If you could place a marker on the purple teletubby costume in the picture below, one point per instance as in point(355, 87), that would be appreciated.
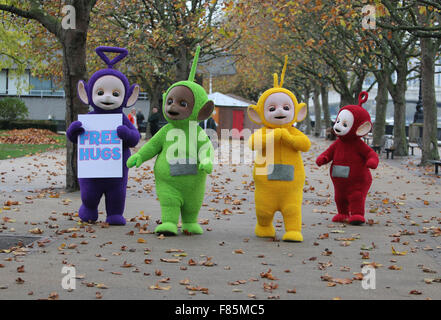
point(112, 93)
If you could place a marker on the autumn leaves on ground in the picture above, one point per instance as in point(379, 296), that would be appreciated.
point(401, 239)
point(17, 143)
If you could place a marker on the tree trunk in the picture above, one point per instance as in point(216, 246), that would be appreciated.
point(308, 116)
point(74, 69)
point(317, 111)
point(346, 99)
point(430, 143)
point(183, 65)
point(400, 141)
point(325, 105)
point(380, 110)
point(398, 93)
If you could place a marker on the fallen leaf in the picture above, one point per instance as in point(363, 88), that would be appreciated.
point(398, 253)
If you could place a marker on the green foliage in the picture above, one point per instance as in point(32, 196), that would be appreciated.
point(13, 109)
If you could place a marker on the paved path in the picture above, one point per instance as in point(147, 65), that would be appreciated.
point(227, 261)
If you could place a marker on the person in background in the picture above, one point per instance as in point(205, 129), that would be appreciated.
point(139, 118)
point(208, 124)
point(154, 121)
point(419, 115)
point(132, 117)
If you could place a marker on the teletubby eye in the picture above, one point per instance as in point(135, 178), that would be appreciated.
point(338, 120)
point(345, 125)
point(183, 103)
point(169, 101)
point(115, 93)
point(272, 108)
point(100, 92)
point(286, 107)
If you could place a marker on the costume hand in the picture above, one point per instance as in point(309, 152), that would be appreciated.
point(75, 129)
point(275, 134)
point(206, 167)
point(123, 132)
point(285, 134)
point(372, 163)
point(321, 160)
point(136, 159)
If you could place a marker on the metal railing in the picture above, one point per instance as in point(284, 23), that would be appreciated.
point(50, 93)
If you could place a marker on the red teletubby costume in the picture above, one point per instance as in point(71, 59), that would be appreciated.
point(351, 159)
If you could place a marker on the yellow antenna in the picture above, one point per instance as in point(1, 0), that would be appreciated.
point(276, 80)
point(282, 77)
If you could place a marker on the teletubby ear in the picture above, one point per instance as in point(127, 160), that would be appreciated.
point(82, 92)
point(302, 112)
point(254, 115)
point(206, 111)
point(364, 129)
point(134, 96)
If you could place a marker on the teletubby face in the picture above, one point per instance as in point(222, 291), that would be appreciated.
point(108, 93)
point(344, 123)
point(279, 109)
point(179, 103)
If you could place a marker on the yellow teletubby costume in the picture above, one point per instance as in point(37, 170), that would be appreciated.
point(279, 174)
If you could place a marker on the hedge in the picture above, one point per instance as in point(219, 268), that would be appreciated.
point(26, 124)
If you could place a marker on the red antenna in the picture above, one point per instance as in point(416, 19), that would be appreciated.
point(362, 98)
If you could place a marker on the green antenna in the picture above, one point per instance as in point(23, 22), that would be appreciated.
point(194, 65)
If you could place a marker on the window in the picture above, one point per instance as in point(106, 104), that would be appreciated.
point(3, 81)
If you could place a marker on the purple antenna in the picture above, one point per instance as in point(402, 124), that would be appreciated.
point(110, 63)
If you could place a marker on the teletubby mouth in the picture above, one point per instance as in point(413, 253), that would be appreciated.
point(173, 113)
point(107, 103)
point(280, 117)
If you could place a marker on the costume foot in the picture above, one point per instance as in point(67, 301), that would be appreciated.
point(356, 220)
point(167, 229)
point(87, 215)
point(340, 218)
point(193, 228)
point(116, 220)
point(293, 236)
point(265, 231)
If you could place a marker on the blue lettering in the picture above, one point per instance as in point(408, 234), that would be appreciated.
point(94, 156)
point(105, 137)
point(94, 138)
point(84, 154)
point(114, 139)
point(84, 137)
point(106, 154)
point(116, 153)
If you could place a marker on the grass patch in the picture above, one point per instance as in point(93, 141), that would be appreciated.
point(8, 151)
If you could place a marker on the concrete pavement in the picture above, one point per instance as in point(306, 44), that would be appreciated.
point(228, 261)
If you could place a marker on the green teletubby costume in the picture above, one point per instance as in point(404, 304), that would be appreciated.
point(185, 155)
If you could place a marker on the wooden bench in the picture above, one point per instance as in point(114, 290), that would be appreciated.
point(377, 149)
point(413, 146)
point(389, 151)
point(437, 163)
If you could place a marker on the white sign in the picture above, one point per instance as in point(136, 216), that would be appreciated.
point(100, 151)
